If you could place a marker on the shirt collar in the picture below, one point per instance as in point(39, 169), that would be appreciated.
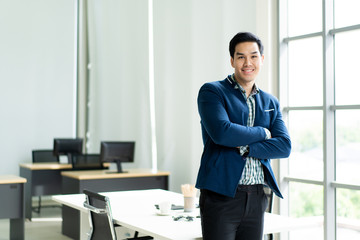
point(236, 85)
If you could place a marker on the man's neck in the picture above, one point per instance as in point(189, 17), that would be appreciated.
point(248, 87)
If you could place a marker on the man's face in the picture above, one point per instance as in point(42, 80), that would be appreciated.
point(247, 62)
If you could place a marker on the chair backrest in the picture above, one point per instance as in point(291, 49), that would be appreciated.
point(86, 162)
point(45, 155)
point(269, 195)
point(101, 221)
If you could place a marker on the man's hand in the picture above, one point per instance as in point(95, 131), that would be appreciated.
point(268, 133)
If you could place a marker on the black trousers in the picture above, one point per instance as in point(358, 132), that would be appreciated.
point(238, 218)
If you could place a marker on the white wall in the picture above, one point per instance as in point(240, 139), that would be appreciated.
point(36, 77)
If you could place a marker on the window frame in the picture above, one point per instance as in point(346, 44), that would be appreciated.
point(328, 107)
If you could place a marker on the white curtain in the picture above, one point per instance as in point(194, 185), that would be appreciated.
point(119, 100)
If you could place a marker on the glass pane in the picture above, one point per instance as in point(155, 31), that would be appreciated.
point(305, 72)
point(347, 78)
point(306, 200)
point(311, 233)
point(346, 12)
point(304, 19)
point(306, 128)
point(348, 146)
point(348, 214)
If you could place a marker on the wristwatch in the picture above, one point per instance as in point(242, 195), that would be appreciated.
point(246, 153)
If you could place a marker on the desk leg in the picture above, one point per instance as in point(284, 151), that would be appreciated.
point(26, 173)
point(84, 225)
point(17, 229)
point(71, 222)
point(75, 223)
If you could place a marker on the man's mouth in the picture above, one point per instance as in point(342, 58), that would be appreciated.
point(246, 71)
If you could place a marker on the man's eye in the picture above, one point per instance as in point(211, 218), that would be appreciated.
point(254, 56)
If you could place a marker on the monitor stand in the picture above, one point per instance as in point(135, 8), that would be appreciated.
point(118, 167)
point(64, 159)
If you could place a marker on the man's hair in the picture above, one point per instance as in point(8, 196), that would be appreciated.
point(244, 37)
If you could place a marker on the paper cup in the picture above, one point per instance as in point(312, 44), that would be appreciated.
point(165, 207)
point(189, 204)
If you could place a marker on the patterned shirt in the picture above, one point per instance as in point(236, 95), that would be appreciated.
point(253, 172)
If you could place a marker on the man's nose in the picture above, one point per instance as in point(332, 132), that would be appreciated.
point(247, 61)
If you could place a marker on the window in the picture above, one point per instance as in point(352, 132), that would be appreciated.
point(307, 144)
point(303, 76)
point(319, 92)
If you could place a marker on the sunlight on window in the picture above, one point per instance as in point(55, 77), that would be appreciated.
point(346, 12)
point(306, 200)
point(304, 16)
point(306, 72)
point(348, 146)
point(348, 214)
point(347, 77)
point(314, 233)
point(306, 129)
point(305, 89)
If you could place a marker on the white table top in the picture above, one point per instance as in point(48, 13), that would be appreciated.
point(135, 210)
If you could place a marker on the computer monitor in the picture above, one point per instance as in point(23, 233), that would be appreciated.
point(68, 147)
point(43, 155)
point(117, 152)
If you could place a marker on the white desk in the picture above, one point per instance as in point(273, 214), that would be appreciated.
point(74, 182)
point(135, 210)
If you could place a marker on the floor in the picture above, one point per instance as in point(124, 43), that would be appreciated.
point(45, 226)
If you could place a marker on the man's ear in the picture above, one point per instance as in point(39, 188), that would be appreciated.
point(232, 61)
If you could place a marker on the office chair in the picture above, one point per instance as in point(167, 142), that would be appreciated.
point(101, 222)
point(86, 162)
point(44, 155)
point(269, 195)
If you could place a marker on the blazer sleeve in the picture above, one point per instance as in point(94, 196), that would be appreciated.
point(279, 145)
point(215, 119)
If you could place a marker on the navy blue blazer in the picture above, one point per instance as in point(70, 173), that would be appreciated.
point(224, 113)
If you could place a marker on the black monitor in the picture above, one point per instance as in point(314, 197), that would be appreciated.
point(117, 152)
point(43, 155)
point(68, 147)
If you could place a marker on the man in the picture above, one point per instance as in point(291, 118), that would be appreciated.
point(242, 129)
